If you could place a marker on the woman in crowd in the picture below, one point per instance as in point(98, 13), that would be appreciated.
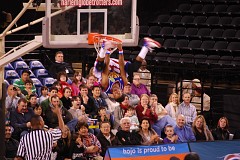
point(149, 136)
point(66, 100)
point(106, 137)
point(63, 144)
point(76, 82)
point(221, 132)
point(143, 109)
point(120, 112)
point(92, 147)
point(38, 110)
point(172, 106)
point(201, 130)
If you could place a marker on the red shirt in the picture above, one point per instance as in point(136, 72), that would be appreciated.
point(152, 117)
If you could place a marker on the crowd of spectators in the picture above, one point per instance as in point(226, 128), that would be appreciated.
point(93, 121)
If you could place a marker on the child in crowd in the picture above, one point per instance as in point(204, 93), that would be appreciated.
point(59, 87)
point(38, 110)
point(104, 116)
point(170, 136)
point(28, 88)
point(131, 113)
point(44, 94)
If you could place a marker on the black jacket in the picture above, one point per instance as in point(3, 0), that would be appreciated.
point(129, 138)
point(220, 134)
point(60, 67)
point(105, 143)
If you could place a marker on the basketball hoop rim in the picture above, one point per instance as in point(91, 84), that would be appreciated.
point(95, 37)
point(97, 40)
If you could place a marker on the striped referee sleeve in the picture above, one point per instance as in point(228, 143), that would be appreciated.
point(21, 150)
point(56, 134)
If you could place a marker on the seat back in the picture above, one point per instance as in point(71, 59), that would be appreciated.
point(41, 73)
point(36, 65)
point(48, 81)
point(20, 65)
point(11, 74)
point(36, 82)
point(8, 67)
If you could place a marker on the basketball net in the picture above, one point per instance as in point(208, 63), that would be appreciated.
point(97, 40)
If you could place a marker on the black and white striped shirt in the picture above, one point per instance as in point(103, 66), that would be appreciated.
point(37, 145)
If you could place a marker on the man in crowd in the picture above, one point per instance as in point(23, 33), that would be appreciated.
point(125, 136)
point(184, 132)
point(60, 66)
point(11, 144)
point(20, 119)
point(187, 109)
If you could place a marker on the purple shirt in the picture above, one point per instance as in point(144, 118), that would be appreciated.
point(141, 89)
point(166, 140)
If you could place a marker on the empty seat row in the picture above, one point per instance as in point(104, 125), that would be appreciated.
point(190, 20)
point(202, 33)
point(201, 45)
point(198, 59)
point(220, 9)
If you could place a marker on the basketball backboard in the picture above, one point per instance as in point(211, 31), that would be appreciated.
point(116, 18)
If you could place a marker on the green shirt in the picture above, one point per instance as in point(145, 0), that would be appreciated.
point(21, 85)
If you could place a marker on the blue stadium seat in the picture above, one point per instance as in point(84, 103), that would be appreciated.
point(48, 81)
point(20, 65)
point(8, 67)
point(19, 59)
point(38, 89)
point(36, 65)
point(11, 74)
point(69, 81)
point(11, 81)
point(41, 73)
point(36, 82)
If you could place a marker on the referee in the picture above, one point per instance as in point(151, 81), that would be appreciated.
point(37, 145)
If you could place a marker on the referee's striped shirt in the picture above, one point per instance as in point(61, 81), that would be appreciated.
point(37, 145)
